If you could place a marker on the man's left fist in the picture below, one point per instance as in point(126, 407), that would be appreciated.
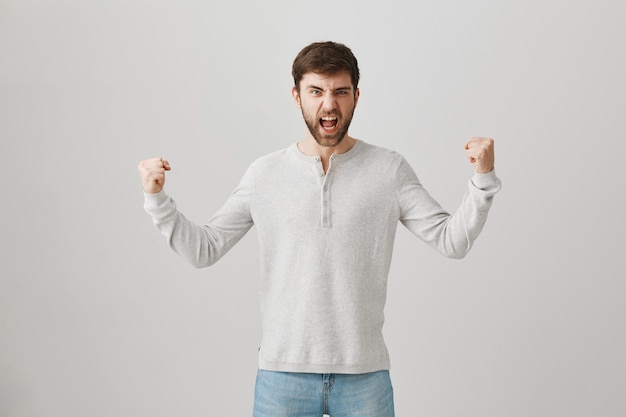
point(480, 153)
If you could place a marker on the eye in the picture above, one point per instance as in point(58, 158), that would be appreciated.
point(315, 92)
point(342, 92)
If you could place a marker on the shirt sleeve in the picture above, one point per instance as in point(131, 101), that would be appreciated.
point(203, 245)
point(451, 235)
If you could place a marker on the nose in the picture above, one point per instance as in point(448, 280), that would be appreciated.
point(329, 103)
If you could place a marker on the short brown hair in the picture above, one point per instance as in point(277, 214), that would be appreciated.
point(325, 58)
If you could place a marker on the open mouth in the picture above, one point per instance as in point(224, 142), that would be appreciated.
point(328, 122)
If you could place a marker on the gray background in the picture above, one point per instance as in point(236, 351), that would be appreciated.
point(99, 318)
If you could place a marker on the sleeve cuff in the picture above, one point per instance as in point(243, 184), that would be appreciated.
point(153, 201)
point(486, 181)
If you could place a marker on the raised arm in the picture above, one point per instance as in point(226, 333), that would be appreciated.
point(200, 245)
point(451, 235)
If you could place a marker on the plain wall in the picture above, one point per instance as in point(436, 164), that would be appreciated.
point(98, 317)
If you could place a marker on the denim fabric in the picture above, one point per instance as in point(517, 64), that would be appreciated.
point(290, 394)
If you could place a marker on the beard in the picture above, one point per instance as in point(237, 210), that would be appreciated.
point(328, 139)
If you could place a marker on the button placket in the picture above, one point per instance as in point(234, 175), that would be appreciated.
point(326, 204)
point(325, 179)
point(325, 197)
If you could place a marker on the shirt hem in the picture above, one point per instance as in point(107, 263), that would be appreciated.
point(324, 368)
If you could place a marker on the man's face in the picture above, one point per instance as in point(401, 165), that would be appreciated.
point(327, 103)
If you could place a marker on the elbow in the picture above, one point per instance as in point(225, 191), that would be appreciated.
point(202, 261)
point(456, 255)
point(197, 259)
point(455, 251)
point(198, 265)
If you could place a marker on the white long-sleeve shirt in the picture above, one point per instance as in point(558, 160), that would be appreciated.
point(326, 241)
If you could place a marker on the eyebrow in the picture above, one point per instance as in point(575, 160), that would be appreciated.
point(314, 87)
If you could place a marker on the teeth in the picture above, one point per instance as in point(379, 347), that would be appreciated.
point(328, 118)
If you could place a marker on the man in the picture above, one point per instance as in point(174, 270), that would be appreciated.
point(326, 211)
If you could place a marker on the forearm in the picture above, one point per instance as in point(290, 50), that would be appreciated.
point(465, 225)
point(199, 245)
point(451, 235)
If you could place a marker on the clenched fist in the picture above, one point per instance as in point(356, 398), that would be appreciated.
point(152, 172)
point(480, 153)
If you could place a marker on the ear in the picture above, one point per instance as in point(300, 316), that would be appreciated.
point(357, 93)
point(296, 96)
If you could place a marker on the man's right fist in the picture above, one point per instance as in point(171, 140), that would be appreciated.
point(152, 172)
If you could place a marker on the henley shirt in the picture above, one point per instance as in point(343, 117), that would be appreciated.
point(326, 242)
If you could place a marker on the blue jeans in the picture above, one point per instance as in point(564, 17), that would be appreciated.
point(289, 394)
